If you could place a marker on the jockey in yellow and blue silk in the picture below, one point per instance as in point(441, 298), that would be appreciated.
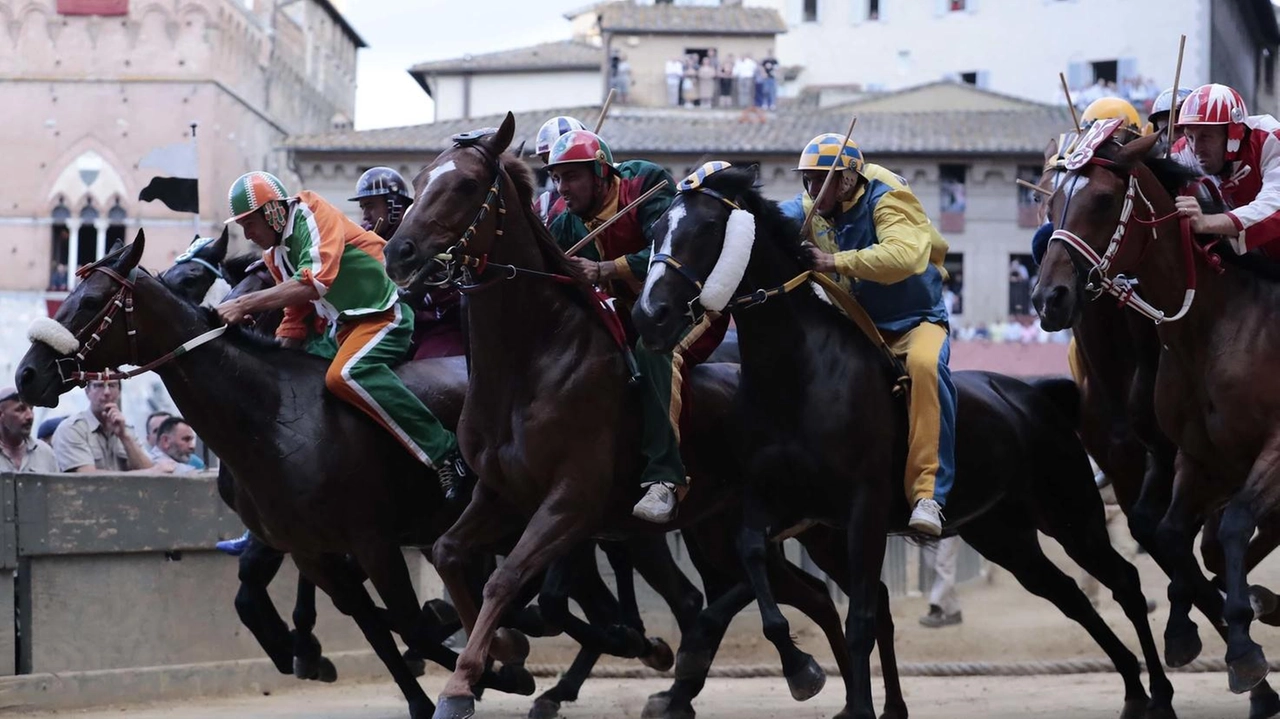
point(871, 233)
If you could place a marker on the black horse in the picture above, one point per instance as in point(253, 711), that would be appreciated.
point(825, 439)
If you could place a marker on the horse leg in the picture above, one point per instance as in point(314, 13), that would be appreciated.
point(332, 574)
point(552, 530)
point(895, 706)
point(1005, 538)
point(1087, 543)
point(1176, 537)
point(579, 569)
point(308, 660)
point(258, 566)
point(651, 557)
point(804, 677)
point(866, 536)
point(1266, 606)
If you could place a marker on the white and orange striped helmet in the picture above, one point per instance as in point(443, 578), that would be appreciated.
point(1215, 104)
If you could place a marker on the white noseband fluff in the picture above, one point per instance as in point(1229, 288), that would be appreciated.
point(217, 292)
point(53, 334)
point(739, 236)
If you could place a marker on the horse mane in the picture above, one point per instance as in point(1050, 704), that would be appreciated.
point(237, 268)
point(742, 185)
point(522, 177)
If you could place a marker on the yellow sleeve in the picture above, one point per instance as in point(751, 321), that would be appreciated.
point(904, 240)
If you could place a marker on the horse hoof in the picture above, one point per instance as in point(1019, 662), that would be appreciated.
point(317, 668)
point(1164, 712)
point(455, 708)
point(659, 656)
point(1263, 705)
point(656, 707)
point(544, 708)
point(1248, 671)
point(889, 713)
point(806, 683)
point(1134, 709)
point(447, 622)
point(1182, 649)
point(417, 667)
point(517, 679)
point(517, 646)
point(692, 665)
point(1264, 602)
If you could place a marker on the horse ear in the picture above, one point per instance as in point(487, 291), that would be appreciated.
point(115, 247)
point(1135, 150)
point(132, 254)
point(501, 140)
point(1051, 149)
point(215, 252)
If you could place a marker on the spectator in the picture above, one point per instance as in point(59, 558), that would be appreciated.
point(745, 72)
point(58, 277)
point(724, 77)
point(769, 83)
point(689, 85)
point(98, 440)
point(47, 428)
point(176, 441)
point(674, 73)
point(154, 420)
point(706, 83)
point(622, 79)
point(944, 603)
point(19, 451)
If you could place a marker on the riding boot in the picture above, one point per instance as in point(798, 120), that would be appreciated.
point(456, 478)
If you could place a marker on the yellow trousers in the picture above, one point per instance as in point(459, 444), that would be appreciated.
point(926, 351)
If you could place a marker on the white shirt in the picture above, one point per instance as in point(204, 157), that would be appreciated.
point(744, 68)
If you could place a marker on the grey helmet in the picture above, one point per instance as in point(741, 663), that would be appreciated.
point(1164, 103)
point(378, 181)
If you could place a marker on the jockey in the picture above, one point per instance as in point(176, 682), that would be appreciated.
point(593, 189)
point(551, 131)
point(872, 233)
point(384, 199)
point(1242, 154)
point(318, 256)
point(1158, 120)
point(1108, 108)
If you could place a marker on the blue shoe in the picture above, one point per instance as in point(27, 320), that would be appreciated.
point(235, 547)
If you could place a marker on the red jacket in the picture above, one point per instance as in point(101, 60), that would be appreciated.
point(1252, 191)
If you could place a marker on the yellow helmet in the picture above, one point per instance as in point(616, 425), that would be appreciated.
point(824, 150)
point(1107, 108)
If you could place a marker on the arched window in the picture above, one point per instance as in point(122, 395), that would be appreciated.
point(60, 246)
point(116, 218)
point(87, 250)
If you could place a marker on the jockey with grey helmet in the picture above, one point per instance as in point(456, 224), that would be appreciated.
point(551, 131)
point(384, 196)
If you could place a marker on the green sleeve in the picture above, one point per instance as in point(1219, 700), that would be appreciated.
point(649, 213)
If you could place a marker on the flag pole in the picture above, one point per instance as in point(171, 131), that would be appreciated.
point(195, 220)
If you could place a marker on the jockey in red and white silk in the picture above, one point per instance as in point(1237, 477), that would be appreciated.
point(1242, 154)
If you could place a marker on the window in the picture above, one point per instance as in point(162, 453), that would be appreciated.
point(953, 288)
point(969, 78)
point(951, 185)
point(873, 10)
point(1269, 70)
point(1030, 209)
point(1106, 70)
point(956, 5)
point(810, 10)
point(1022, 276)
point(116, 217)
point(87, 238)
point(61, 247)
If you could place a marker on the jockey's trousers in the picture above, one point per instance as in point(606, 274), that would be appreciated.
point(361, 375)
point(664, 390)
point(931, 432)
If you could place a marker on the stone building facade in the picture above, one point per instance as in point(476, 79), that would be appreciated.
point(85, 97)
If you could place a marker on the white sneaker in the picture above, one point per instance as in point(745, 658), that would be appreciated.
point(927, 518)
point(658, 504)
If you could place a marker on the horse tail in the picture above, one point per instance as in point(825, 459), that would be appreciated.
point(1064, 393)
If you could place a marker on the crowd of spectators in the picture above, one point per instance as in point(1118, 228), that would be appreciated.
point(1139, 91)
point(708, 80)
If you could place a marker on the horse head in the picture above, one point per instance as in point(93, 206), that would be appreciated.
point(708, 232)
point(197, 274)
point(1093, 201)
point(456, 211)
point(88, 331)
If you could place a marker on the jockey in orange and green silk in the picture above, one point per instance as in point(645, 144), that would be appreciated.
point(325, 264)
point(592, 190)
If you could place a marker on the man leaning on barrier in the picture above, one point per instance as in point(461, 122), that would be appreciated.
point(19, 451)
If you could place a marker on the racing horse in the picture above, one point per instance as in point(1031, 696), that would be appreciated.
point(552, 429)
point(1212, 316)
point(824, 436)
point(292, 488)
point(1118, 355)
point(195, 277)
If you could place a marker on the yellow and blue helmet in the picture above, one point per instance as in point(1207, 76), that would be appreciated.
point(827, 149)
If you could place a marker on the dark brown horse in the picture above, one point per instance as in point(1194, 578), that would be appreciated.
point(1119, 353)
point(1114, 211)
point(552, 428)
point(824, 439)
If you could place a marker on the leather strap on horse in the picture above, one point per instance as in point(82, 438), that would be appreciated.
point(855, 312)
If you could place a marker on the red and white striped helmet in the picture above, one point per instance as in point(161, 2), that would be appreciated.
point(1216, 104)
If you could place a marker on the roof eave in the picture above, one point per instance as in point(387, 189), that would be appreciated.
point(443, 71)
point(342, 22)
point(689, 31)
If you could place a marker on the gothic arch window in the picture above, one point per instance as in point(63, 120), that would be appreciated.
point(60, 246)
point(116, 218)
point(87, 238)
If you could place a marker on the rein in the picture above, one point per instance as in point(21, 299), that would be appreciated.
point(1123, 288)
point(123, 299)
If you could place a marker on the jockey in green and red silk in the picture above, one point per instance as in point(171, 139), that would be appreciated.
point(870, 232)
point(324, 263)
point(592, 190)
point(1242, 153)
point(384, 198)
point(551, 131)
